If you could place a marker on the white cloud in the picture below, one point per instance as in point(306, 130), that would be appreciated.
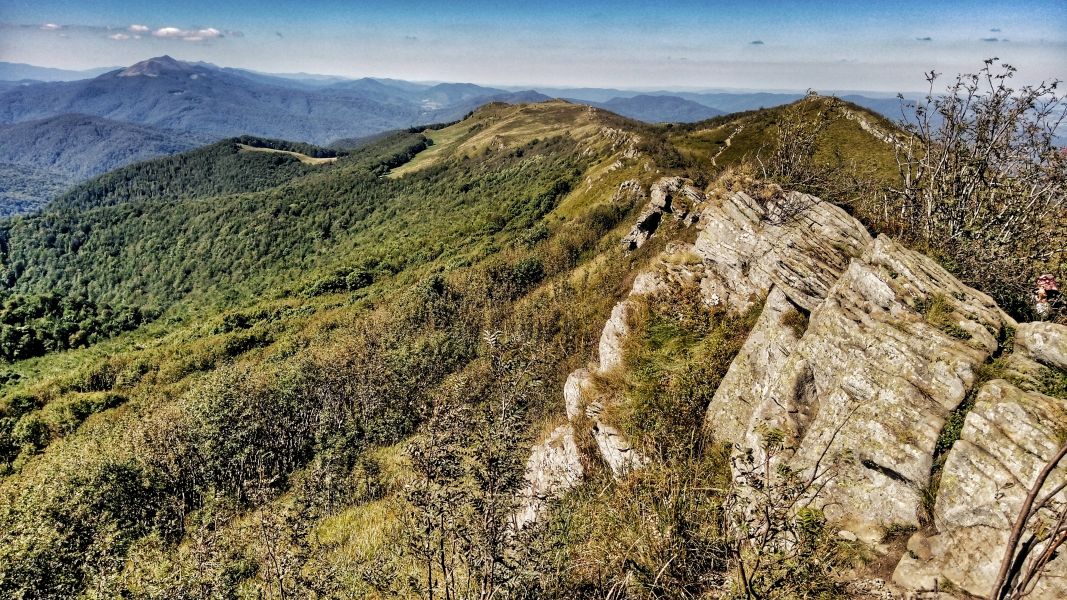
point(51, 27)
point(188, 35)
point(138, 28)
point(164, 32)
point(119, 36)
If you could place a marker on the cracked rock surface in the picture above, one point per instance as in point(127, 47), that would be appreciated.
point(862, 351)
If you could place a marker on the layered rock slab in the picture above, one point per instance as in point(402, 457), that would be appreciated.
point(869, 382)
point(797, 243)
point(758, 365)
point(1007, 438)
point(880, 380)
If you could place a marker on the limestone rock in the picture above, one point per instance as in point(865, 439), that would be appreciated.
point(612, 337)
point(755, 369)
point(1024, 371)
point(872, 381)
point(616, 450)
point(554, 467)
point(677, 196)
point(1044, 342)
point(1007, 438)
point(577, 392)
point(629, 192)
point(670, 195)
point(799, 243)
point(919, 546)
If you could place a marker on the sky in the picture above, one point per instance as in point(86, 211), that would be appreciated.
point(751, 44)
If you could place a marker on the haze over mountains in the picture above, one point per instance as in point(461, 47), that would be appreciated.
point(53, 130)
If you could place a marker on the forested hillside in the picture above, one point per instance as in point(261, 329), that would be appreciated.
point(25, 189)
point(63, 132)
point(80, 146)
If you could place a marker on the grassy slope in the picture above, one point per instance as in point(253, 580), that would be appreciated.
point(406, 233)
point(751, 134)
point(165, 359)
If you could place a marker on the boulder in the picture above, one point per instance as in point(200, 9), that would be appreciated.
point(1043, 342)
point(554, 467)
point(1007, 438)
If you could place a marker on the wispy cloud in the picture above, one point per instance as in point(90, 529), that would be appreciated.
point(138, 28)
point(756, 43)
point(119, 37)
point(995, 30)
point(51, 27)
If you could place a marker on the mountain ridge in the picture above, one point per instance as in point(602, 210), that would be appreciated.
point(138, 106)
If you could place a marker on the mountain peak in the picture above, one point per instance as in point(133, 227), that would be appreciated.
point(154, 67)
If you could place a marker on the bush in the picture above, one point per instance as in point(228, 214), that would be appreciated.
point(982, 184)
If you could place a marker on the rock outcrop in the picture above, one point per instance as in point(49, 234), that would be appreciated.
point(670, 195)
point(1007, 438)
point(798, 243)
point(555, 465)
point(884, 379)
point(862, 351)
point(866, 374)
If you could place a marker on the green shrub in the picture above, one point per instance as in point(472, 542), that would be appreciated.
point(31, 432)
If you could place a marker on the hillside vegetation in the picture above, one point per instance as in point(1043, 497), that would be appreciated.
point(246, 374)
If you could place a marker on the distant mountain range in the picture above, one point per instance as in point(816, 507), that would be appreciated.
point(659, 109)
point(60, 127)
point(204, 99)
point(41, 158)
point(21, 71)
point(67, 131)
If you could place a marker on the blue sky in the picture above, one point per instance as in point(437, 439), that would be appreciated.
point(755, 44)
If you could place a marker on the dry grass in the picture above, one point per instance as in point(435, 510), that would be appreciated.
point(304, 158)
point(500, 126)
